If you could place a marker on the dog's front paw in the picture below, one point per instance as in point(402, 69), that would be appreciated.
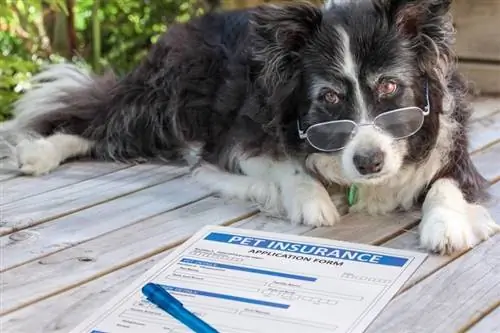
point(444, 230)
point(309, 203)
point(37, 157)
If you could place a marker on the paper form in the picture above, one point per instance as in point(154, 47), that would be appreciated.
point(246, 281)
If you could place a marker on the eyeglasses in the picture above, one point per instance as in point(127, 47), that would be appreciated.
point(334, 135)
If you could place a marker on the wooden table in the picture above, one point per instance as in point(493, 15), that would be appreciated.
point(72, 239)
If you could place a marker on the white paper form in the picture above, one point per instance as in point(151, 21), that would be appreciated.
point(246, 281)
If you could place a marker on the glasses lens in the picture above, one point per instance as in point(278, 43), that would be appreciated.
point(401, 123)
point(330, 136)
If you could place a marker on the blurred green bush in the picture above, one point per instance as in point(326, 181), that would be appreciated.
point(98, 33)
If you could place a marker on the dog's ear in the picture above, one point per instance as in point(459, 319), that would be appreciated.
point(279, 33)
point(413, 17)
point(429, 27)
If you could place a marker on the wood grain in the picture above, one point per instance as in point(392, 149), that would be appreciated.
point(32, 210)
point(484, 77)
point(70, 230)
point(484, 107)
point(489, 324)
point(448, 299)
point(477, 28)
point(488, 161)
point(437, 278)
point(26, 186)
point(84, 262)
point(61, 313)
point(484, 131)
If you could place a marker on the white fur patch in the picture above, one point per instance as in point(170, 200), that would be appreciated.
point(265, 194)
point(330, 3)
point(304, 199)
point(37, 157)
point(39, 99)
point(281, 188)
point(40, 156)
point(350, 69)
point(192, 153)
point(365, 140)
point(449, 223)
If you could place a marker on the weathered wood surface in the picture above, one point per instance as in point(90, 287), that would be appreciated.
point(489, 324)
point(484, 77)
point(38, 208)
point(69, 259)
point(477, 29)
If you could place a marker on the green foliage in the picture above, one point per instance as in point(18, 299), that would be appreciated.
point(36, 32)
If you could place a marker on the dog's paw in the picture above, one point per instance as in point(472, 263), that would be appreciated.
point(309, 203)
point(37, 157)
point(444, 230)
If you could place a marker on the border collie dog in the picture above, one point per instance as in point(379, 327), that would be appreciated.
point(273, 103)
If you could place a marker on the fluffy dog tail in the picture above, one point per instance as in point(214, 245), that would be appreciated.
point(58, 94)
point(63, 98)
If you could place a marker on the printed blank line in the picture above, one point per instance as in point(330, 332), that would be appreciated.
point(156, 318)
point(301, 322)
point(211, 275)
point(193, 306)
point(223, 284)
point(316, 292)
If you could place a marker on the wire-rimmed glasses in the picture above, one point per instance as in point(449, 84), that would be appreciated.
point(334, 135)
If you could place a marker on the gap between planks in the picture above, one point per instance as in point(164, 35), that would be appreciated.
point(68, 174)
point(35, 210)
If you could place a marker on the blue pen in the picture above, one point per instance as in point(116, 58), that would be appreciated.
point(161, 298)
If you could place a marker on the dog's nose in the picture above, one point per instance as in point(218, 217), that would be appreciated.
point(369, 162)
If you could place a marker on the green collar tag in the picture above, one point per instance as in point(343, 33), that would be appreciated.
point(352, 195)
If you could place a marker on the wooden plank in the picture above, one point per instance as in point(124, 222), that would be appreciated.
point(433, 285)
point(67, 231)
point(484, 131)
point(62, 270)
point(63, 312)
point(30, 211)
point(410, 240)
point(375, 229)
point(489, 324)
point(477, 28)
point(485, 77)
point(484, 107)
point(448, 299)
point(487, 161)
point(67, 174)
point(263, 222)
point(6, 174)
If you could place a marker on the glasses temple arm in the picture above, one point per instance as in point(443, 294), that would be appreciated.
point(427, 107)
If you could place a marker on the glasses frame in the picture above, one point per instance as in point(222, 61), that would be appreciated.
point(303, 134)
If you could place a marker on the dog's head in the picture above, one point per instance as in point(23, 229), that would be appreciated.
point(356, 60)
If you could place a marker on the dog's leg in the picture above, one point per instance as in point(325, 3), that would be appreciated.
point(260, 192)
point(303, 198)
point(42, 155)
point(450, 223)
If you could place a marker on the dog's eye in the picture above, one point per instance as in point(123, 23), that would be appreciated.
point(387, 88)
point(331, 97)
